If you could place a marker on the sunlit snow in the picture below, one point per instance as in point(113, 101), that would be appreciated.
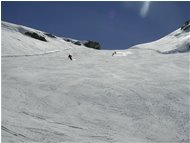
point(138, 95)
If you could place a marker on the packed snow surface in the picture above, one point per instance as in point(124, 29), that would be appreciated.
point(138, 95)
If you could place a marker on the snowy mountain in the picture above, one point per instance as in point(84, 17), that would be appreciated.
point(138, 95)
point(19, 40)
point(176, 42)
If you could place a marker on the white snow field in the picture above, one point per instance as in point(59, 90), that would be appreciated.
point(140, 95)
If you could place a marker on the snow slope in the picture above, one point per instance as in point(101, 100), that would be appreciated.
point(138, 95)
point(176, 42)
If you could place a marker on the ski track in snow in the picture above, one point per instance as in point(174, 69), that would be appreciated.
point(39, 54)
point(122, 54)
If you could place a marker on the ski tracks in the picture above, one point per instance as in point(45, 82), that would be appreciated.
point(38, 54)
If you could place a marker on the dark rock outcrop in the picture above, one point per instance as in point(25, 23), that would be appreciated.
point(89, 43)
point(77, 43)
point(35, 36)
point(67, 40)
point(92, 44)
point(186, 26)
point(50, 35)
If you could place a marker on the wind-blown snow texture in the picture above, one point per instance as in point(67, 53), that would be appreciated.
point(138, 95)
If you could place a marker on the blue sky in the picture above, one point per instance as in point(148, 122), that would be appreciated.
point(116, 25)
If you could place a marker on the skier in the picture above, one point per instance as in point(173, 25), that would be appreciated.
point(70, 57)
point(113, 53)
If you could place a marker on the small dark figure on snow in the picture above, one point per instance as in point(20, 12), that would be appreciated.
point(113, 53)
point(70, 57)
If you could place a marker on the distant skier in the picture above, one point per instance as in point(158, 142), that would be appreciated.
point(70, 57)
point(113, 53)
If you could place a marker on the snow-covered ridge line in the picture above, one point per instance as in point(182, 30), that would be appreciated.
point(175, 42)
point(47, 37)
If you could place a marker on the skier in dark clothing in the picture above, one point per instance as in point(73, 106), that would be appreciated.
point(113, 53)
point(70, 57)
